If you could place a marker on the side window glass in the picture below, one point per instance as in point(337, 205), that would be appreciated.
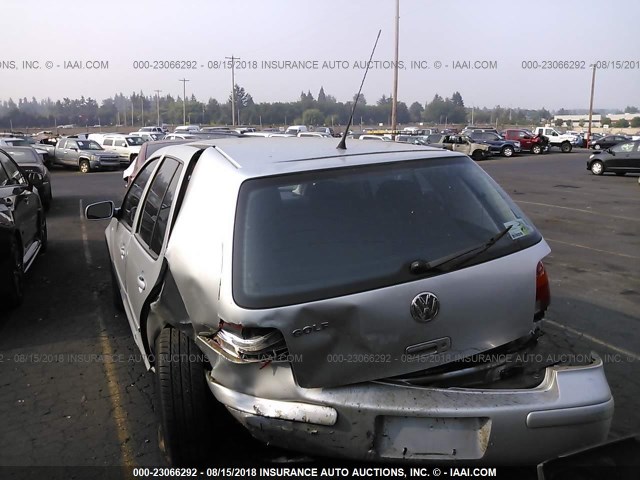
point(11, 169)
point(62, 144)
point(132, 198)
point(108, 143)
point(4, 178)
point(160, 229)
point(154, 202)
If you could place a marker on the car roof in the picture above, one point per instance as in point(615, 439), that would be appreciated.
point(259, 156)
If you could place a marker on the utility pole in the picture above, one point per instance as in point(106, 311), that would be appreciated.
point(132, 113)
point(394, 103)
point(233, 88)
point(142, 103)
point(184, 100)
point(158, 105)
point(593, 85)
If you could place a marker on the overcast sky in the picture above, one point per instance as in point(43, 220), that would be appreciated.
point(507, 33)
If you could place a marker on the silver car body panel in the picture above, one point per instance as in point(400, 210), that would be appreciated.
point(326, 399)
point(376, 322)
point(388, 422)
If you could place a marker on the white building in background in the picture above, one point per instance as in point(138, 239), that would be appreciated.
point(575, 120)
point(622, 116)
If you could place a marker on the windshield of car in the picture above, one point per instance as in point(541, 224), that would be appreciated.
point(135, 140)
point(24, 156)
point(17, 142)
point(88, 145)
point(316, 235)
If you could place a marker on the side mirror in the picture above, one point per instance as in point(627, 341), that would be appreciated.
point(99, 211)
point(35, 179)
point(611, 152)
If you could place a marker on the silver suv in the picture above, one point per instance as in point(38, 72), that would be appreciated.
point(378, 303)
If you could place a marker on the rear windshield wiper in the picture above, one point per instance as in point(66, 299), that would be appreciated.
point(421, 266)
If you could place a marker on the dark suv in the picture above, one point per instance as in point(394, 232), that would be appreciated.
point(497, 144)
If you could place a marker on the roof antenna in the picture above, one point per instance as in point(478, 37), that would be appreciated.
point(343, 141)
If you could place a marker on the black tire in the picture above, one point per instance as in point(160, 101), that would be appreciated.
point(597, 167)
point(477, 155)
point(186, 406)
point(566, 147)
point(84, 166)
point(115, 292)
point(507, 151)
point(536, 149)
point(12, 278)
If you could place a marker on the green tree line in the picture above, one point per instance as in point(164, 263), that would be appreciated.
point(321, 109)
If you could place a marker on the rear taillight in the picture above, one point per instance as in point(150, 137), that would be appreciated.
point(543, 294)
point(247, 345)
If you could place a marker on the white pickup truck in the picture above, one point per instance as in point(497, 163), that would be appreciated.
point(563, 141)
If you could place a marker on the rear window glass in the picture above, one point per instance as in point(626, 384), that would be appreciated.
point(306, 237)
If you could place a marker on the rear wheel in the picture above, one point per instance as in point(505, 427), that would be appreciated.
point(187, 408)
point(12, 284)
point(597, 168)
point(597, 146)
point(536, 149)
point(84, 166)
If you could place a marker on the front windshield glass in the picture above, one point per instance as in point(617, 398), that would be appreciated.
point(135, 140)
point(88, 145)
point(18, 142)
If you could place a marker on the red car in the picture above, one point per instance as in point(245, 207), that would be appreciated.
point(529, 141)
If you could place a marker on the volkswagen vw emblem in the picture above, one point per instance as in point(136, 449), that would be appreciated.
point(425, 307)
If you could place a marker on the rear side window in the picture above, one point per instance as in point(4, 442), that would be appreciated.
point(306, 237)
point(15, 177)
point(4, 178)
point(157, 205)
point(132, 198)
point(108, 143)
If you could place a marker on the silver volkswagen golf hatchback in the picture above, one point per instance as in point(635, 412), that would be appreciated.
point(380, 303)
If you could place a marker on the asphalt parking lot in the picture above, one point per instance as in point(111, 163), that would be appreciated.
point(74, 391)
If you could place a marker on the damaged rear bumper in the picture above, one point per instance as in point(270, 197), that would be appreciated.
point(570, 409)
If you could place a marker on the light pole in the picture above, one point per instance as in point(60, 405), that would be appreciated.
point(593, 85)
point(394, 102)
point(184, 100)
point(233, 88)
point(158, 105)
